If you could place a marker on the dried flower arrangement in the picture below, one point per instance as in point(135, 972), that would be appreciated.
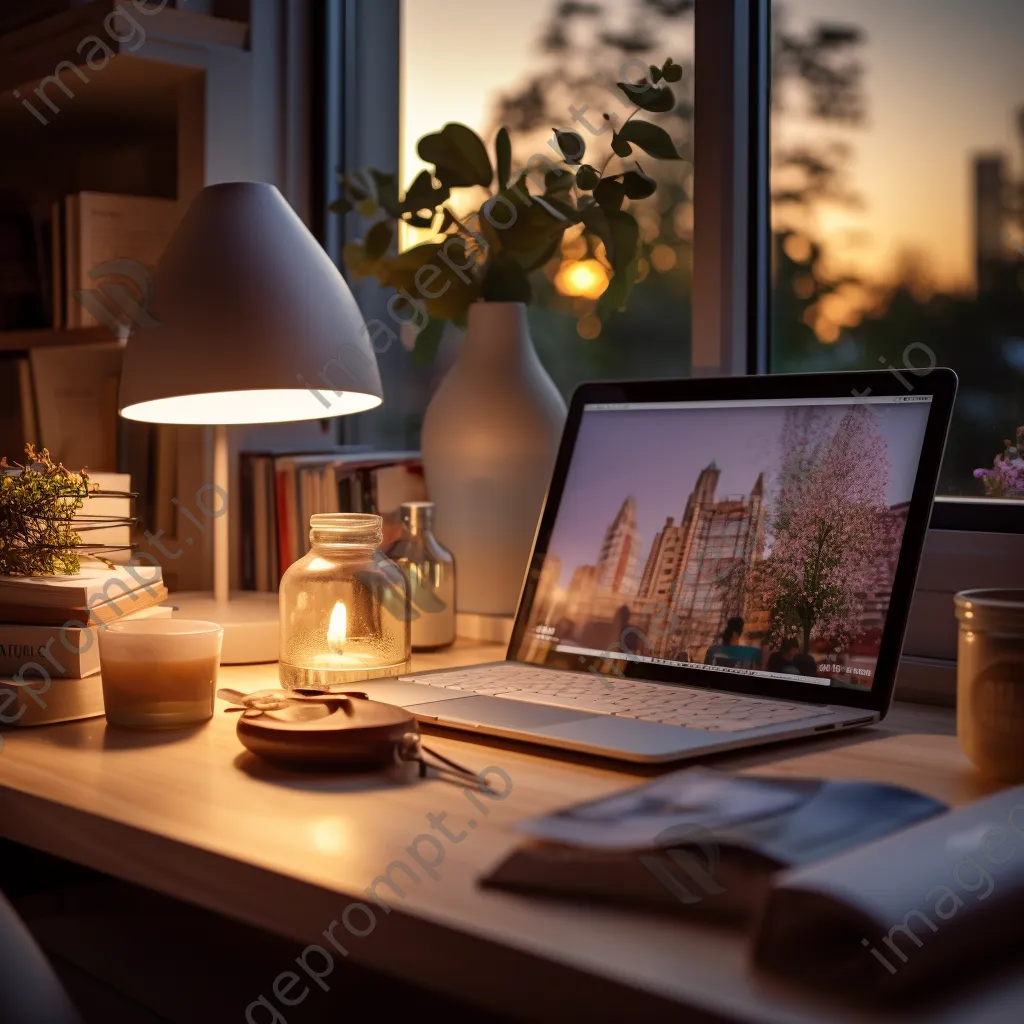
point(38, 504)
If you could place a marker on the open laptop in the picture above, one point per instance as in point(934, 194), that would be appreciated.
point(719, 564)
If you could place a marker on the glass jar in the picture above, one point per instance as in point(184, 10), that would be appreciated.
point(430, 570)
point(990, 680)
point(344, 608)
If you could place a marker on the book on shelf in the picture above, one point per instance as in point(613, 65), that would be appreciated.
point(66, 653)
point(18, 419)
point(21, 298)
point(76, 390)
point(280, 491)
point(701, 842)
point(105, 249)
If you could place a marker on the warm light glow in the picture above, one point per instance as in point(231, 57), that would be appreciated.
point(329, 835)
point(663, 258)
point(827, 331)
point(588, 326)
point(574, 245)
point(266, 405)
point(803, 286)
point(650, 225)
point(797, 248)
point(337, 628)
point(584, 278)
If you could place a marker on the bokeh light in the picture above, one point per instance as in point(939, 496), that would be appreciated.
point(584, 278)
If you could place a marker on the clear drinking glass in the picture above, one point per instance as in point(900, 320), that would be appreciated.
point(159, 673)
point(430, 570)
point(990, 680)
point(344, 607)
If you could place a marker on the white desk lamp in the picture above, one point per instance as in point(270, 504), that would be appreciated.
point(249, 310)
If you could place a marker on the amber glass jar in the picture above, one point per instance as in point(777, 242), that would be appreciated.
point(990, 681)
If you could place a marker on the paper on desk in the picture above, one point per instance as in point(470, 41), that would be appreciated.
point(653, 814)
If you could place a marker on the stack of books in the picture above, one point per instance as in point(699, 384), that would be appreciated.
point(279, 492)
point(49, 648)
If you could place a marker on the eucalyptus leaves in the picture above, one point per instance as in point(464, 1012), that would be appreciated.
point(489, 254)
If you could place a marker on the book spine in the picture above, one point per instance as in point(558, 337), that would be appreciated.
point(269, 537)
point(283, 521)
point(247, 517)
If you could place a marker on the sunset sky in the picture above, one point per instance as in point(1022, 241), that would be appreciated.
point(943, 78)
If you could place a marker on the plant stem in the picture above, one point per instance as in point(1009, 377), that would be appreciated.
point(608, 158)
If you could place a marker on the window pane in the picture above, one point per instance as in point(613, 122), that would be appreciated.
point(897, 196)
point(544, 64)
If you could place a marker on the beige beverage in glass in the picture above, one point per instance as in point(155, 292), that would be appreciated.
point(159, 673)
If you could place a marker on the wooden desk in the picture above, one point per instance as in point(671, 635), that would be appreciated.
point(192, 815)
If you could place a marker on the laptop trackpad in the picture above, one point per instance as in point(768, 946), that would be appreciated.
point(507, 714)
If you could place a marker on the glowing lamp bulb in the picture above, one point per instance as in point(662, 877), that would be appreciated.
point(337, 628)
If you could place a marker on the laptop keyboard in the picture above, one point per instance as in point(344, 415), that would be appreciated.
point(626, 698)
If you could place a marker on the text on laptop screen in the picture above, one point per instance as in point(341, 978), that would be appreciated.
point(753, 537)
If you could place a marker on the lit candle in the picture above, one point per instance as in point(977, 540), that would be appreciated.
point(337, 628)
point(354, 656)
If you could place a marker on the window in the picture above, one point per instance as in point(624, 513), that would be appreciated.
point(898, 205)
point(895, 167)
point(531, 71)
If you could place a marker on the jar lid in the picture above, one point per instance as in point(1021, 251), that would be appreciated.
point(991, 609)
point(348, 527)
point(418, 515)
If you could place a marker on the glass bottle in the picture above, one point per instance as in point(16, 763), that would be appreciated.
point(344, 607)
point(430, 570)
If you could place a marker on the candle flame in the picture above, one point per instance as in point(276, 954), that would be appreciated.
point(337, 629)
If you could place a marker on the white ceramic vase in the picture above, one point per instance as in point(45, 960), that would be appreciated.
point(489, 441)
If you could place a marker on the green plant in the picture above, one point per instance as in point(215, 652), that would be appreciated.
point(38, 504)
point(490, 253)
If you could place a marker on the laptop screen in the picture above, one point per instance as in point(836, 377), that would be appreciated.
point(757, 537)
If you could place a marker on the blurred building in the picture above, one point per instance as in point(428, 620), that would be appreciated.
point(990, 221)
point(693, 580)
point(695, 576)
point(616, 565)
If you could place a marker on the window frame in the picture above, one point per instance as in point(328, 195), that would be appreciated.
point(971, 543)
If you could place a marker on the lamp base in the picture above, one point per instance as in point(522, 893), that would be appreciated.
point(250, 621)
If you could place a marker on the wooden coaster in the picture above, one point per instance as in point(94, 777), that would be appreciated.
point(331, 732)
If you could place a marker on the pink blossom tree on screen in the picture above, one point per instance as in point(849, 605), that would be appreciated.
point(831, 539)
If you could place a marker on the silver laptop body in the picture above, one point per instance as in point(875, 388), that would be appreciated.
point(672, 607)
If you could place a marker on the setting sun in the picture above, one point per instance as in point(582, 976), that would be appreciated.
point(585, 279)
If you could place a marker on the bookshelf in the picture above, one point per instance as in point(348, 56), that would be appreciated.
point(23, 341)
point(174, 39)
point(201, 98)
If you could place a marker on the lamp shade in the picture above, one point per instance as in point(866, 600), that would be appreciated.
point(254, 322)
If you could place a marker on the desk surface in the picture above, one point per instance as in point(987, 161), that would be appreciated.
point(193, 815)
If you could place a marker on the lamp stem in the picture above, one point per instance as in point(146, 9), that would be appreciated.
point(221, 541)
